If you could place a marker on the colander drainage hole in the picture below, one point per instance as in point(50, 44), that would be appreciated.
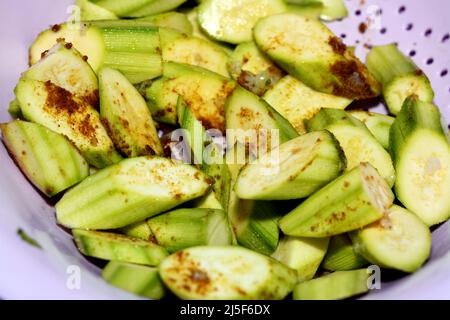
point(430, 61)
point(409, 26)
point(412, 53)
point(444, 72)
point(446, 37)
point(428, 32)
point(401, 9)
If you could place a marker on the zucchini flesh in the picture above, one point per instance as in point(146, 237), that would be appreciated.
point(232, 21)
point(226, 273)
point(354, 200)
point(399, 76)
point(126, 116)
point(185, 228)
point(14, 109)
point(140, 280)
point(399, 241)
point(112, 246)
point(311, 9)
point(297, 102)
point(60, 111)
point(314, 55)
point(48, 159)
point(91, 11)
point(129, 192)
point(174, 20)
point(303, 166)
point(378, 124)
point(327, 10)
point(333, 10)
point(140, 230)
point(209, 201)
point(335, 286)
point(421, 154)
point(341, 255)
point(139, 8)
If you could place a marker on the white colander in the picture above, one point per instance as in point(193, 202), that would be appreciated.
point(420, 28)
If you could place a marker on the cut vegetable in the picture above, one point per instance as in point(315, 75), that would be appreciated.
point(399, 76)
point(140, 280)
point(336, 286)
point(185, 228)
point(354, 200)
point(327, 10)
point(313, 54)
point(90, 11)
point(126, 116)
point(48, 159)
point(129, 192)
point(174, 20)
point(112, 246)
point(341, 255)
point(297, 102)
point(232, 21)
point(358, 143)
point(303, 166)
point(302, 254)
point(226, 273)
point(421, 154)
point(333, 10)
point(209, 201)
point(140, 230)
point(59, 110)
point(14, 109)
point(139, 8)
point(311, 9)
point(378, 124)
point(399, 241)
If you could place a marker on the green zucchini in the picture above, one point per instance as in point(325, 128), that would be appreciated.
point(303, 165)
point(129, 192)
point(139, 8)
point(140, 280)
point(310, 9)
point(421, 154)
point(341, 255)
point(140, 230)
point(48, 159)
point(314, 55)
point(226, 273)
point(208, 201)
point(297, 102)
point(378, 124)
point(399, 241)
point(327, 10)
point(14, 109)
point(112, 246)
point(174, 20)
point(91, 11)
point(399, 76)
point(354, 200)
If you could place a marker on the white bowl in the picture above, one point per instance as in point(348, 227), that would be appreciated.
point(30, 273)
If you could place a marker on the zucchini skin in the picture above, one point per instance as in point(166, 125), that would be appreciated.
point(378, 124)
point(341, 255)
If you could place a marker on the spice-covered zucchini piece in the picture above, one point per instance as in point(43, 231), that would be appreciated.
point(91, 11)
point(399, 76)
point(14, 109)
point(59, 110)
point(327, 10)
point(140, 280)
point(303, 165)
point(314, 55)
point(354, 200)
point(226, 273)
point(399, 241)
point(378, 124)
point(126, 116)
point(48, 159)
point(342, 256)
point(358, 143)
point(129, 192)
point(140, 230)
point(112, 246)
point(421, 153)
point(174, 20)
point(139, 8)
point(297, 102)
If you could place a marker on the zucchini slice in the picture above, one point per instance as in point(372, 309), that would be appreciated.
point(90, 11)
point(14, 109)
point(421, 154)
point(48, 159)
point(327, 10)
point(399, 241)
point(129, 192)
point(140, 230)
point(303, 166)
point(173, 20)
point(297, 102)
point(354, 200)
point(112, 246)
point(310, 9)
point(226, 273)
point(314, 55)
point(126, 116)
point(342, 256)
point(378, 124)
point(139, 8)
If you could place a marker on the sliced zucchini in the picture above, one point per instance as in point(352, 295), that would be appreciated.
point(185, 228)
point(252, 69)
point(341, 255)
point(140, 230)
point(327, 10)
point(232, 21)
point(140, 280)
point(226, 273)
point(354, 200)
point(399, 241)
point(174, 20)
point(129, 192)
point(358, 143)
point(302, 254)
point(113, 246)
point(209, 201)
point(14, 109)
point(48, 159)
point(314, 55)
point(205, 93)
point(303, 166)
point(421, 154)
point(139, 8)
point(56, 108)
point(91, 11)
point(297, 102)
point(399, 76)
point(335, 286)
point(126, 116)
point(310, 9)
point(378, 124)
point(333, 10)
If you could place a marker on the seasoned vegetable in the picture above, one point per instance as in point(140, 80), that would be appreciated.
point(341, 255)
point(140, 230)
point(14, 109)
point(174, 20)
point(91, 11)
point(378, 124)
point(139, 8)
point(328, 10)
